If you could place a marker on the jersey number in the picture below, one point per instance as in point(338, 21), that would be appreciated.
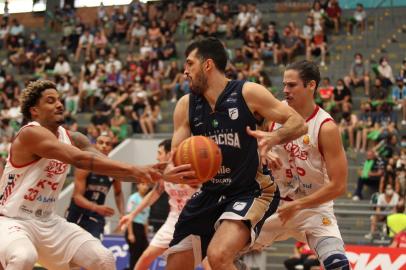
point(300, 171)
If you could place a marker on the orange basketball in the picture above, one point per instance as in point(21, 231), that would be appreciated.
point(202, 153)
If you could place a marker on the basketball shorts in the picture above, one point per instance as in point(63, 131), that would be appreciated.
point(56, 240)
point(307, 225)
point(91, 224)
point(165, 234)
point(204, 211)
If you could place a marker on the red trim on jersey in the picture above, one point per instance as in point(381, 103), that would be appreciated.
point(272, 126)
point(11, 155)
point(313, 114)
point(322, 123)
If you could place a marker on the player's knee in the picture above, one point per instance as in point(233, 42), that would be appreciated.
point(22, 258)
point(218, 257)
point(332, 254)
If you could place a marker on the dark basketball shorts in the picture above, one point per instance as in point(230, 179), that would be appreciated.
point(204, 212)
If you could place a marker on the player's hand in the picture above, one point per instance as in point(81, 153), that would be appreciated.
point(124, 221)
point(182, 174)
point(131, 238)
point(104, 210)
point(287, 210)
point(147, 174)
point(273, 161)
point(264, 141)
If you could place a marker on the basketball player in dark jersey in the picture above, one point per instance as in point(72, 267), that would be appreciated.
point(227, 213)
point(87, 207)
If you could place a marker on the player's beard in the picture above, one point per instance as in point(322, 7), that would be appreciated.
point(199, 84)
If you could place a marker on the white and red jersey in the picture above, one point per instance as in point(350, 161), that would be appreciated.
point(31, 190)
point(178, 194)
point(304, 170)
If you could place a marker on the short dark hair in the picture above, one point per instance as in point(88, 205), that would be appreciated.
point(210, 48)
point(307, 70)
point(166, 145)
point(31, 94)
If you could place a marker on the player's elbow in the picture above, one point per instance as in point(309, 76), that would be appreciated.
point(340, 189)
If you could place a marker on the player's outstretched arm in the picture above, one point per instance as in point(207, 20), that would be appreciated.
point(337, 169)
point(48, 146)
point(182, 174)
point(262, 102)
point(119, 197)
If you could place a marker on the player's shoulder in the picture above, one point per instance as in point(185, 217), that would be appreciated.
point(253, 90)
point(32, 131)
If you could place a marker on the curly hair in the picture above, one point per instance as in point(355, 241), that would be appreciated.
point(31, 94)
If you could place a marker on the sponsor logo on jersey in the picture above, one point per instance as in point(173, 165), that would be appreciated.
point(55, 167)
point(233, 113)
point(306, 139)
point(326, 221)
point(239, 206)
point(295, 151)
point(227, 138)
point(11, 181)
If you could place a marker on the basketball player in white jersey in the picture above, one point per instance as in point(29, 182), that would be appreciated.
point(178, 195)
point(36, 169)
point(310, 171)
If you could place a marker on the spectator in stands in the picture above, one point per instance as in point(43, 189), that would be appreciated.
point(402, 71)
point(85, 43)
point(401, 169)
point(269, 43)
point(386, 203)
point(334, 15)
point(385, 72)
point(342, 97)
point(308, 31)
point(98, 118)
point(10, 90)
point(399, 97)
point(119, 28)
point(137, 33)
point(289, 46)
point(72, 100)
point(365, 125)
point(4, 33)
point(255, 15)
point(16, 29)
point(136, 233)
point(243, 20)
point(100, 42)
point(118, 124)
point(325, 95)
point(318, 14)
point(378, 94)
point(302, 256)
point(359, 74)
point(62, 67)
point(358, 19)
point(370, 175)
point(347, 127)
point(150, 117)
point(318, 46)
